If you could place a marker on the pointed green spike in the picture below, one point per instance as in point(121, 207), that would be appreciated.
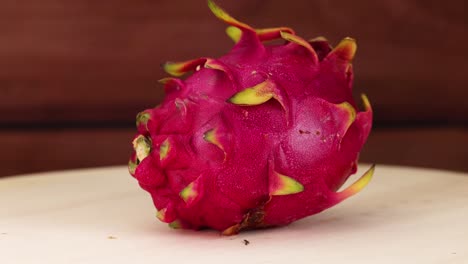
point(224, 16)
point(175, 68)
point(284, 185)
point(164, 149)
point(211, 137)
point(189, 193)
point(178, 69)
point(345, 50)
point(175, 224)
point(132, 167)
point(161, 214)
point(366, 102)
point(232, 230)
point(319, 39)
point(351, 111)
point(218, 65)
point(300, 41)
point(266, 34)
point(255, 95)
point(166, 80)
point(215, 65)
point(234, 33)
point(142, 147)
point(142, 118)
point(250, 96)
point(356, 186)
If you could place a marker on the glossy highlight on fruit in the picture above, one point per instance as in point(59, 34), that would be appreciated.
point(263, 136)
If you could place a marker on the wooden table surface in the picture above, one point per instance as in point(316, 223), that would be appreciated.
point(405, 215)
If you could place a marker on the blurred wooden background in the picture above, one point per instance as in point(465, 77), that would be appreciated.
point(73, 74)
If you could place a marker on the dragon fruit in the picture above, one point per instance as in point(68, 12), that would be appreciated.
point(260, 137)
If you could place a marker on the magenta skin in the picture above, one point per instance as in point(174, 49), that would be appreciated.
point(211, 153)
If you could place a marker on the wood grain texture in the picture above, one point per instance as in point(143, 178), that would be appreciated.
point(73, 74)
point(26, 151)
point(33, 151)
point(63, 61)
point(443, 148)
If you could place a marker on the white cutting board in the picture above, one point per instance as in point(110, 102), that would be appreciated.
point(101, 216)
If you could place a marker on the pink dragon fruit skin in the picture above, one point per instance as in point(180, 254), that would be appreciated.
point(262, 136)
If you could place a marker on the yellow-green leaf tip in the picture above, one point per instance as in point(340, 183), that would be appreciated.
point(189, 193)
point(142, 119)
point(164, 149)
point(132, 167)
point(300, 41)
point(211, 137)
point(174, 68)
point(255, 95)
point(175, 224)
point(234, 33)
point(351, 113)
point(356, 186)
point(285, 185)
point(142, 147)
point(161, 214)
point(366, 102)
point(224, 16)
point(346, 49)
